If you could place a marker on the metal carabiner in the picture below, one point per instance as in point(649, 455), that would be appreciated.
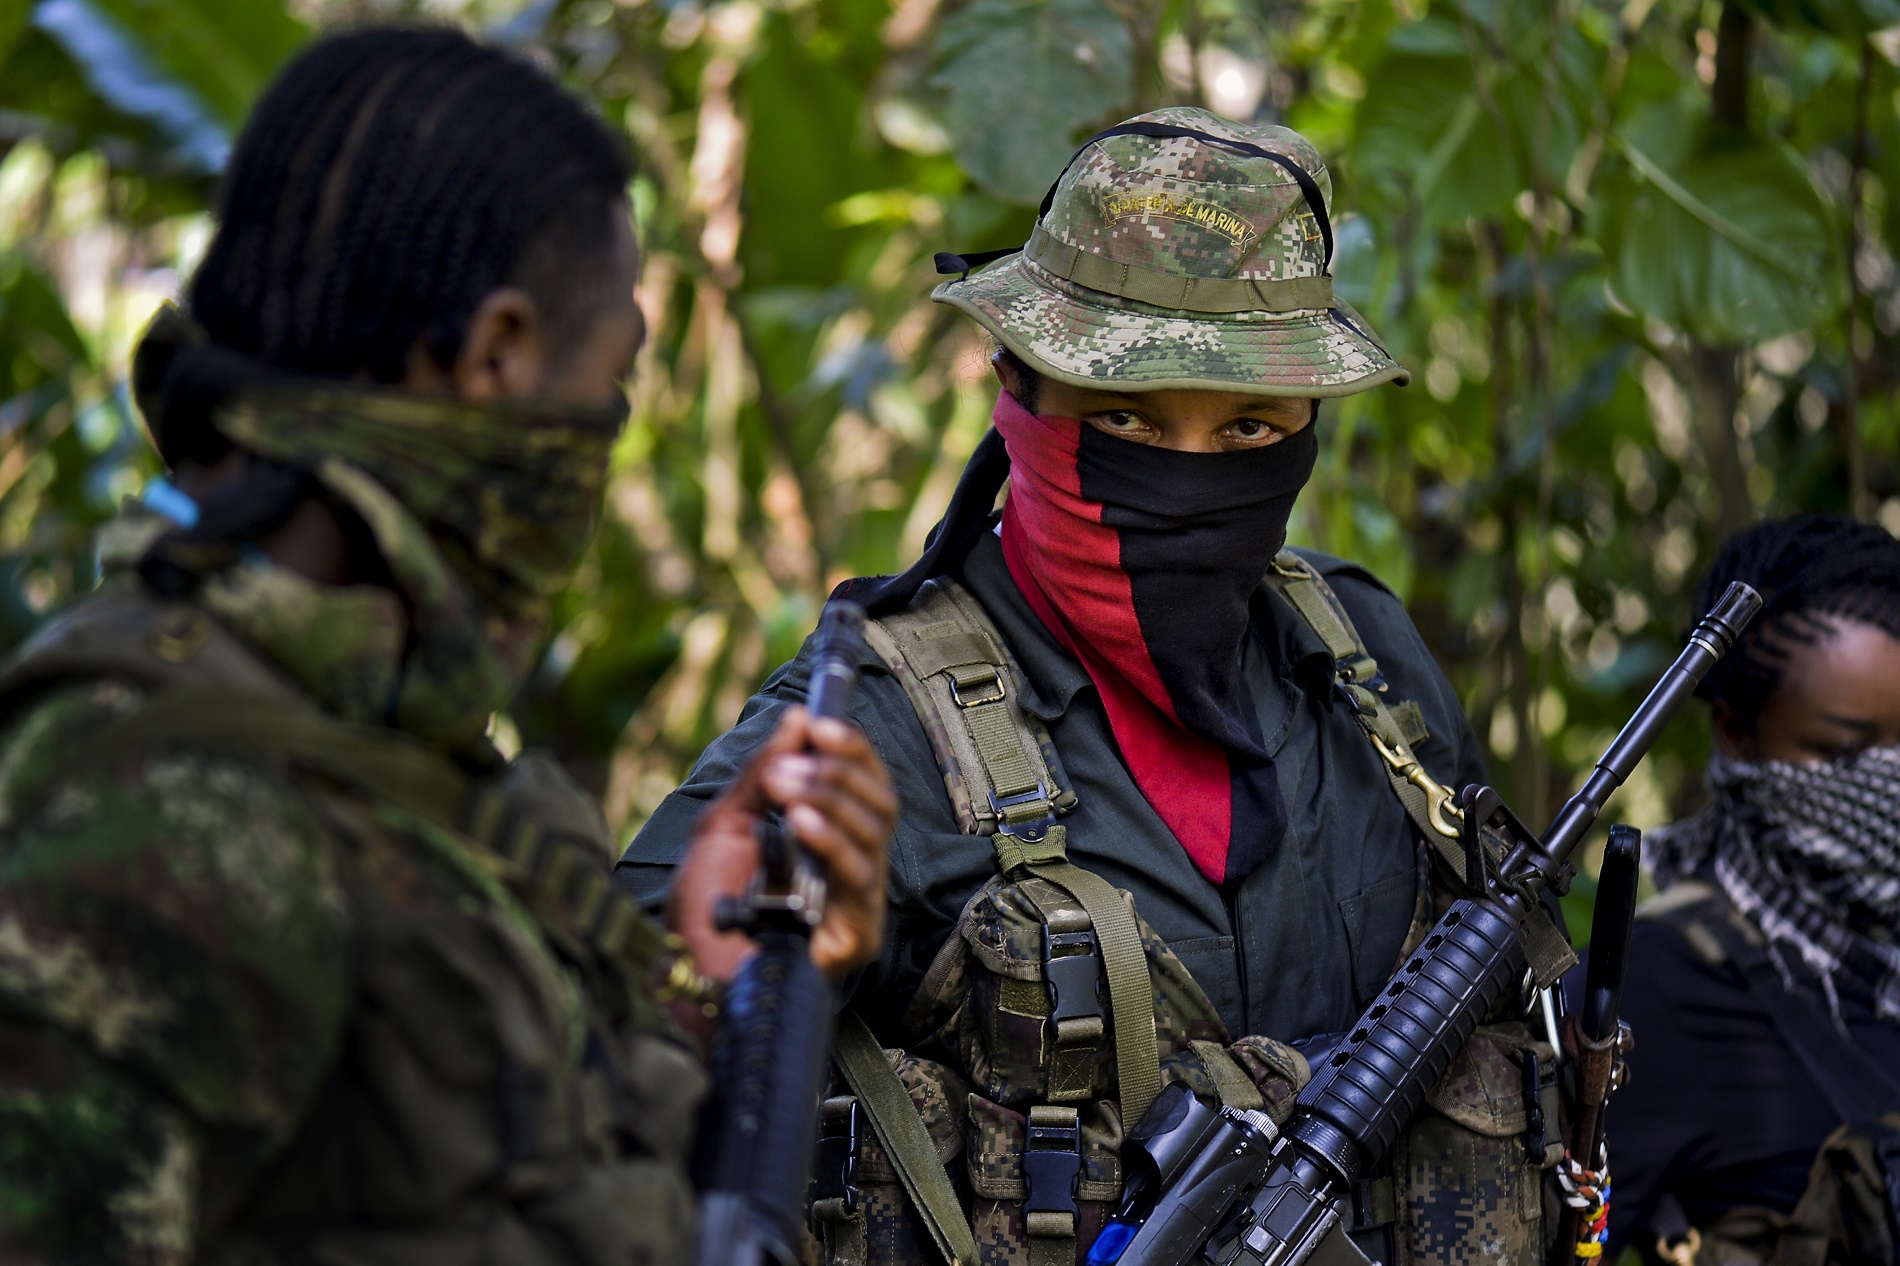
point(1440, 809)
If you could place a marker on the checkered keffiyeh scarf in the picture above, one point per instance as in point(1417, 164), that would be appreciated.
point(1810, 854)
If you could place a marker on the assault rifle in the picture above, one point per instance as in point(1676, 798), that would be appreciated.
point(770, 1060)
point(1227, 1188)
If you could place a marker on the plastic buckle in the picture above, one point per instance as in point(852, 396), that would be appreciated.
point(1032, 830)
point(1540, 1111)
point(1052, 1162)
point(995, 683)
point(1072, 965)
point(834, 1170)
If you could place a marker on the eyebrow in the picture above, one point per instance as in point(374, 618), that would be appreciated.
point(1851, 723)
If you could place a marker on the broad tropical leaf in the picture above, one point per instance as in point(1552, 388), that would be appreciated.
point(1022, 78)
point(1720, 234)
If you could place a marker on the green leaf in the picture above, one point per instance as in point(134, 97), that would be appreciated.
point(1721, 234)
point(123, 74)
point(1023, 79)
point(226, 50)
point(1428, 127)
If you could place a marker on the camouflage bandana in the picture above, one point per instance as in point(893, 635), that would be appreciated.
point(481, 514)
point(1171, 262)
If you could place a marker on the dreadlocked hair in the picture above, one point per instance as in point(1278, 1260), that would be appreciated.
point(388, 180)
point(1808, 569)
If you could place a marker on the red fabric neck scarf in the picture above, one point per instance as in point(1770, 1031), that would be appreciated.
point(1143, 562)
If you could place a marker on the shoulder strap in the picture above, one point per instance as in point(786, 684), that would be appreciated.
point(1858, 1089)
point(998, 763)
point(901, 1130)
point(1392, 730)
point(1357, 680)
point(132, 634)
point(1006, 782)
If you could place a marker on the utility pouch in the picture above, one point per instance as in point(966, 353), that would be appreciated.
point(1465, 1164)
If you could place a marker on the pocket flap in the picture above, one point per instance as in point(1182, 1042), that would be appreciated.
point(1483, 1089)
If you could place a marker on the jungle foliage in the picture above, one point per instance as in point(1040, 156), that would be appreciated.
point(1639, 256)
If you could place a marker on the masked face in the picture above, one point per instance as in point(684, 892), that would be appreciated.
point(1143, 561)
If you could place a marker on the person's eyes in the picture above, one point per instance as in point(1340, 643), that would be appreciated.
point(1251, 429)
point(1121, 422)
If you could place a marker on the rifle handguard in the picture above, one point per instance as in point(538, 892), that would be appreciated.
point(1370, 1086)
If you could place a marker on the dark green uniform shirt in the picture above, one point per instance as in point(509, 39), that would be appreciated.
point(1297, 948)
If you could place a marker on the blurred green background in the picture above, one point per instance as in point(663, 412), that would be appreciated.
point(1638, 255)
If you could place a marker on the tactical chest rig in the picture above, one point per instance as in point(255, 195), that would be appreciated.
point(1018, 1067)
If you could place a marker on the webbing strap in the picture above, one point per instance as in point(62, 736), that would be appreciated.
point(900, 1128)
point(1231, 1082)
point(935, 639)
point(1357, 676)
point(1130, 990)
point(1005, 761)
point(1426, 801)
point(1183, 292)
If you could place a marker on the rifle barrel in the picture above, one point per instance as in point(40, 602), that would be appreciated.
point(1710, 641)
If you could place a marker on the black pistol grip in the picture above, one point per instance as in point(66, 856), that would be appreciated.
point(1369, 1087)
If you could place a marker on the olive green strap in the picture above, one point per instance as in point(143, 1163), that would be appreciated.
point(1427, 802)
point(1356, 675)
point(1051, 1232)
point(998, 765)
point(1130, 989)
point(1183, 293)
point(1231, 1082)
point(900, 1128)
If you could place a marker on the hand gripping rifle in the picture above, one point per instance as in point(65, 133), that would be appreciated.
point(1224, 1187)
point(770, 1059)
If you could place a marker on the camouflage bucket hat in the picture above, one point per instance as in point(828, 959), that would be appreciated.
point(1181, 250)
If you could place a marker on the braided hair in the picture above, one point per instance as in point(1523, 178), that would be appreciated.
point(1807, 569)
point(388, 180)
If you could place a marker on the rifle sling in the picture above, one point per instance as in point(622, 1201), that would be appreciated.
point(1357, 680)
point(899, 1127)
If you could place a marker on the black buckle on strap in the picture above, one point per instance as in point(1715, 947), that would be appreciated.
point(1052, 1161)
point(1072, 964)
point(834, 1170)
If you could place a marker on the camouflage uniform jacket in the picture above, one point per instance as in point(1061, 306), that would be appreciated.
point(249, 1012)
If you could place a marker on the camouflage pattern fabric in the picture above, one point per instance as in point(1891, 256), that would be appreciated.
point(480, 512)
point(250, 1014)
point(985, 1009)
point(1470, 1191)
point(1136, 276)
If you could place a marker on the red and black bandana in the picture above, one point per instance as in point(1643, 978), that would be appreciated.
point(1142, 562)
